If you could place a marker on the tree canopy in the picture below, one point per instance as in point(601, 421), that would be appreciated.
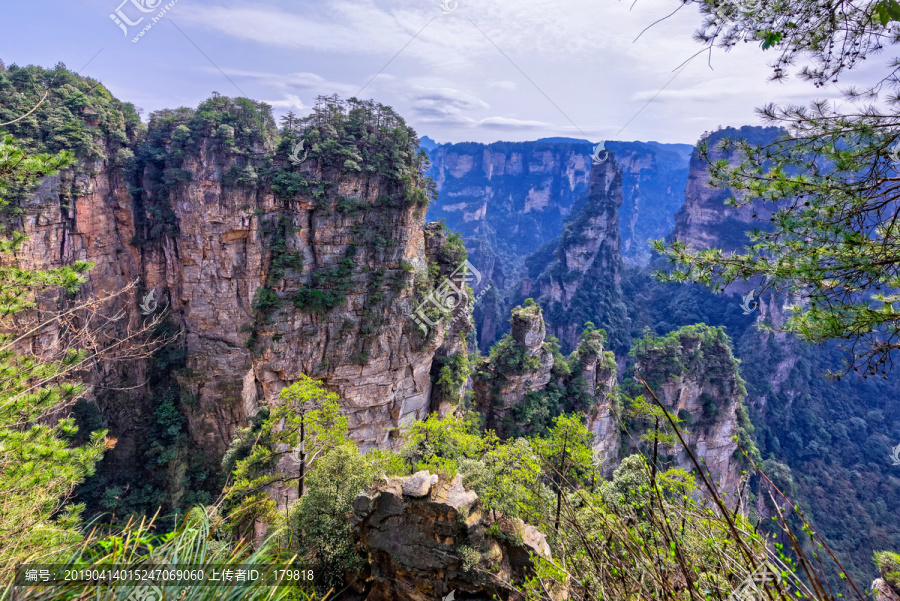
point(826, 191)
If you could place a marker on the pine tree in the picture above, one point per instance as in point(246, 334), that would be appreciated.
point(39, 467)
point(826, 192)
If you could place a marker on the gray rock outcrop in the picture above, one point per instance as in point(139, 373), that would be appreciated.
point(424, 547)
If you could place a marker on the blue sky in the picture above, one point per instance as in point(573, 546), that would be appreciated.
point(484, 71)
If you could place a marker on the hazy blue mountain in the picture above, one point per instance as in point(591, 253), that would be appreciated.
point(508, 199)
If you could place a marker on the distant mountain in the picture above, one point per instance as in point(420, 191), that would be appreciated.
point(577, 278)
point(827, 444)
point(508, 199)
point(427, 144)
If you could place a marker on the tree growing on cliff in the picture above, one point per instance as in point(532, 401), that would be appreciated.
point(39, 468)
point(566, 457)
point(324, 465)
point(306, 425)
point(828, 188)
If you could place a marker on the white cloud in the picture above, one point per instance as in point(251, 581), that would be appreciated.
point(441, 102)
point(504, 85)
point(290, 102)
point(509, 123)
point(526, 65)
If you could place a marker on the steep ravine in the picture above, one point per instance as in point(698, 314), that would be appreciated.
point(265, 269)
point(512, 199)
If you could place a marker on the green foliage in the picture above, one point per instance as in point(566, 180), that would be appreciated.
point(71, 113)
point(819, 429)
point(889, 565)
point(696, 348)
point(453, 250)
point(304, 405)
point(566, 450)
point(318, 525)
point(282, 255)
point(470, 558)
point(306, 423)
point(197, 542)
point(19, 173)
point(509, 357)
point(361, 137)
point(437, 444)
point(645, 523)
point(265, 301)
point(630, 485)
point(506, 476)
point(654, 425)
point(886, 11)
point(39, 467)
point(167, 476)
point(232, 130)
point(244, 439)
point(453, 371)
point(328, 287)
point(168, 427)
point(536, 411)
point(827, 235)
point(233, 125)
point(350, 206)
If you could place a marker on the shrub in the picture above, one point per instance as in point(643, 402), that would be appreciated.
point(889, 565)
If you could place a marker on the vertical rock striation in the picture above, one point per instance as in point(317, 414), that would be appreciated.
point(695, 376)
point(581, 281)
point(511, 200)
point(268, 269)
point(520, 363)
point(526, 382)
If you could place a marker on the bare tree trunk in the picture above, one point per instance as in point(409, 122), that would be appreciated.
point(562, 471)
point(301, 483)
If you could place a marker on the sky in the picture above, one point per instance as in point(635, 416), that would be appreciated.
point(456, 70)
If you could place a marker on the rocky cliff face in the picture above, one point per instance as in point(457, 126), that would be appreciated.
point(520, 363)
point(581, 280)
point(508, 199)
point(592, 238)
point(818, 431)
point(526, 382)
point(513, 194)
point(427, 538)
point(883, 591)
point(268, 269)
point(692, 371)
point(705, 220)
point(365, 348)
point(695, 376)
point(599, 370)
point(653, 183)
point(523, 190)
